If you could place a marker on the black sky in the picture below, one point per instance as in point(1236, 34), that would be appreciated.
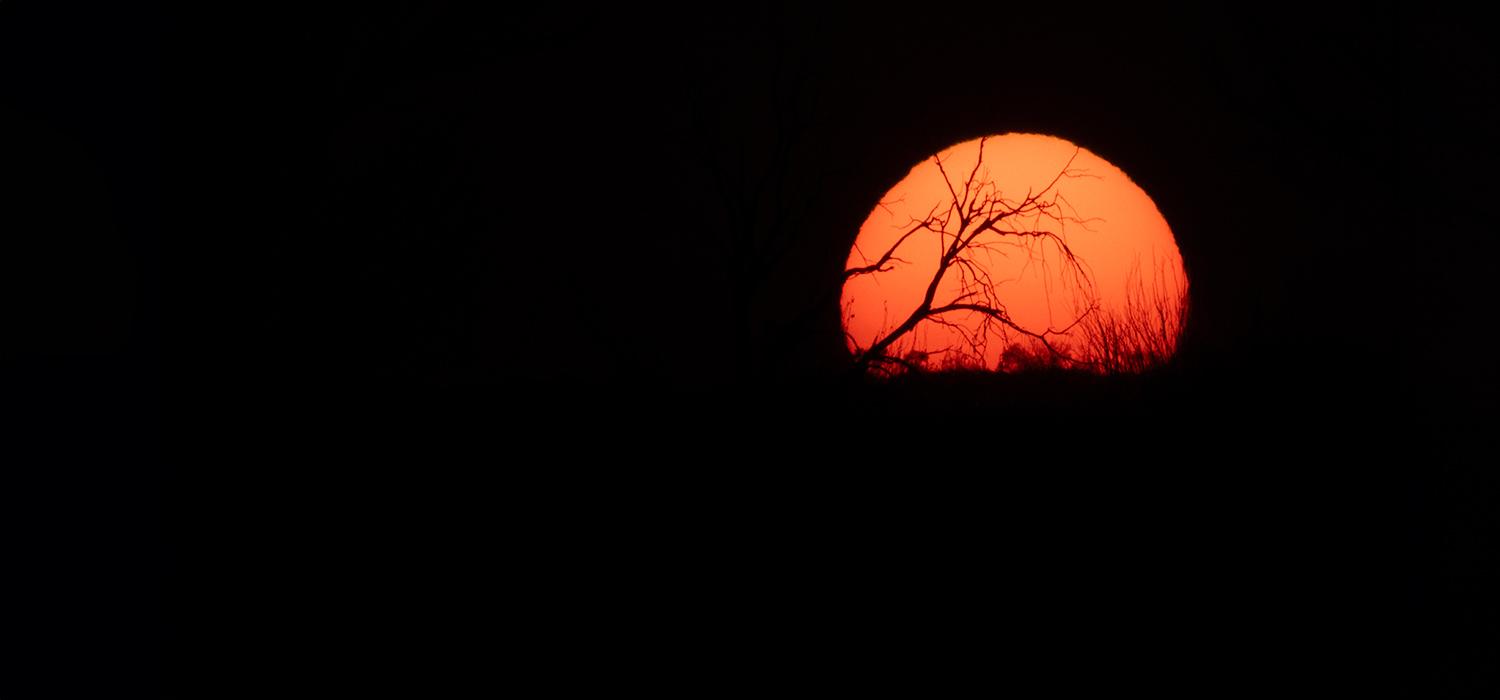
point(474, 197)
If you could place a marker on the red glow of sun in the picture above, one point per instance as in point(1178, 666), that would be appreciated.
point(1128, 269)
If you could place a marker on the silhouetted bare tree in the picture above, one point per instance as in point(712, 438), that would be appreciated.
point(979, 219)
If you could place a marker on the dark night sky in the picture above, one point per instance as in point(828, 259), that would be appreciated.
point(435, 170)
point(480, 245)
point(471, 198)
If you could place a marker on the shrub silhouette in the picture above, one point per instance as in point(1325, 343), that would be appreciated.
point(1143, 334)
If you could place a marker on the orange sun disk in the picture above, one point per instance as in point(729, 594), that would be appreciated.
point(1129, 261)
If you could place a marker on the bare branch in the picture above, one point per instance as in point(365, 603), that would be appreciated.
point(879, 265)
point(977, 218)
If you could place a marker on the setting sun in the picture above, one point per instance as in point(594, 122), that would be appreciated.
point(1012, 250)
